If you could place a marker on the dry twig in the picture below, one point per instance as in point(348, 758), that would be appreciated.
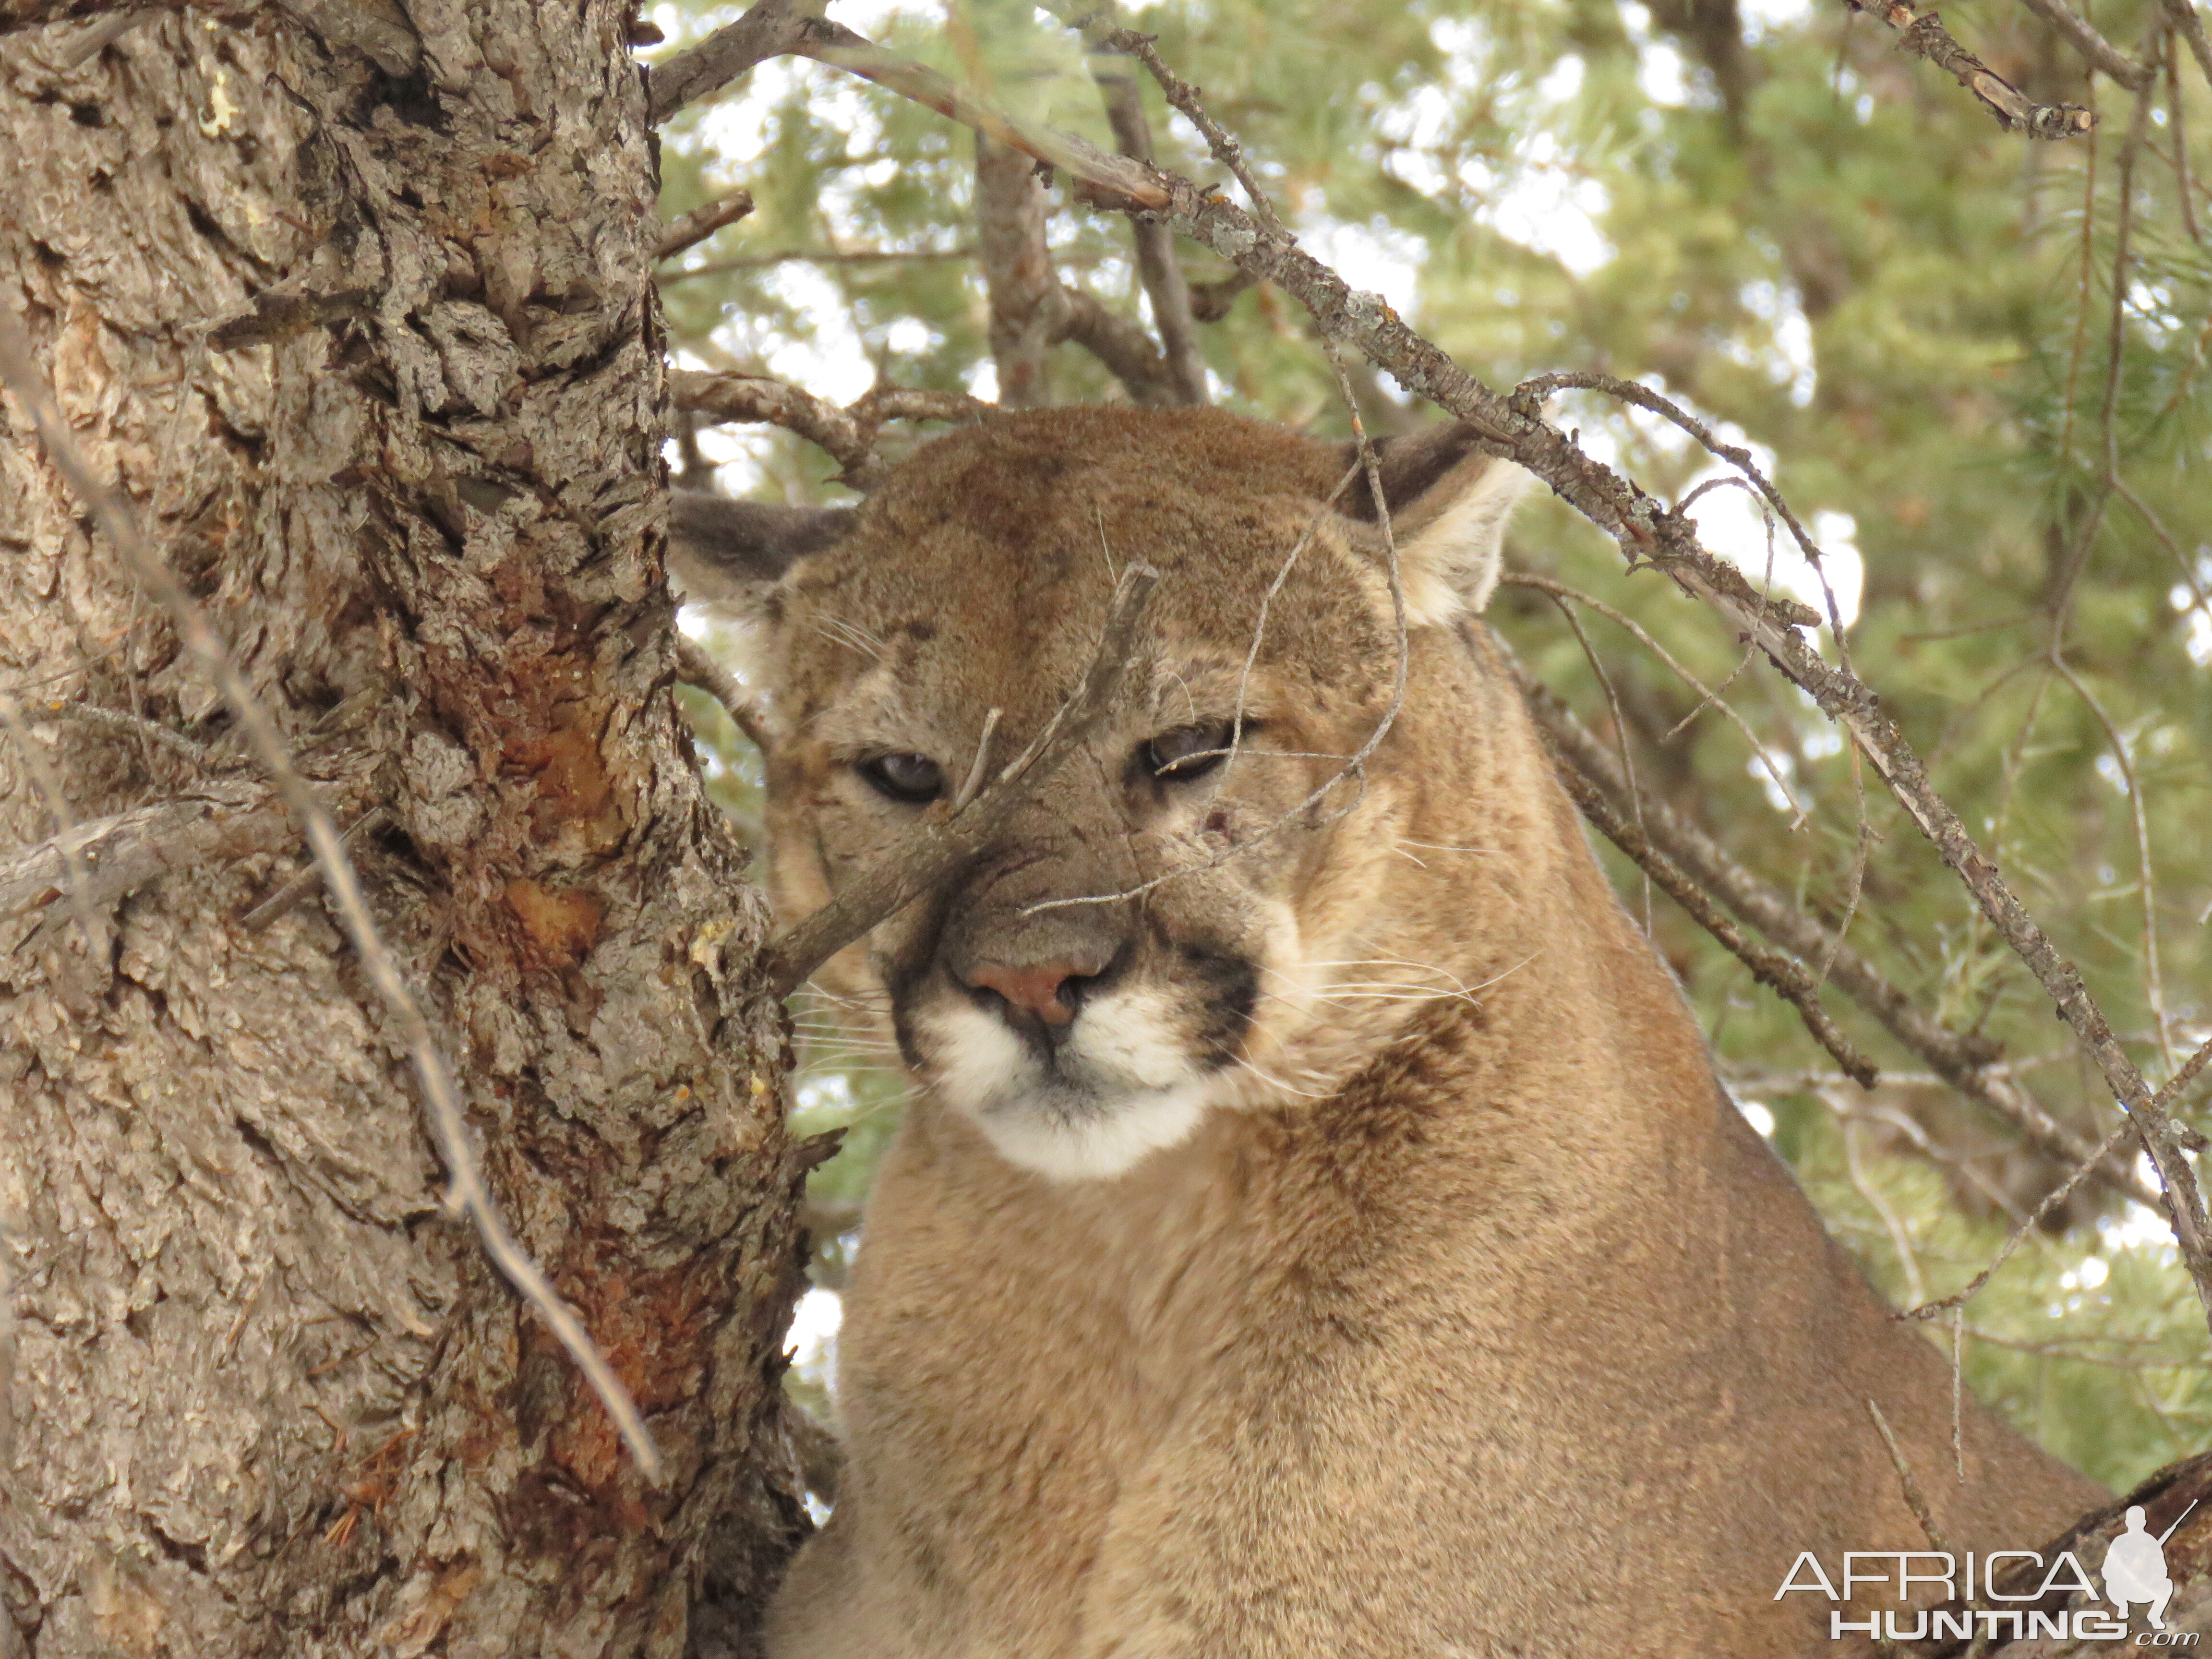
point(1970, 1065)
point(467, 1195)
point(944, 839)
point(1924, 36)
point(696, 666)
point(689, 229)
point(1914, 1500)
point(1785, 978)
point(848, 435)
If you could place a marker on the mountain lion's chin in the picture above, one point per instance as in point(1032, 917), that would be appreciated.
point(1068, 1134)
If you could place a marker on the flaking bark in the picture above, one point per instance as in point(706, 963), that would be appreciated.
point(265, 1399)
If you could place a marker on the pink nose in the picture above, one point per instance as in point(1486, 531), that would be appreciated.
point(1036, 988)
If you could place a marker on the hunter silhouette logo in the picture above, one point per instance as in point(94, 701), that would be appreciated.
point(2135, 1575)
point(2134, 1568)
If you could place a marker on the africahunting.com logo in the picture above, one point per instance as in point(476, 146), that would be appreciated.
point(2135, 1575)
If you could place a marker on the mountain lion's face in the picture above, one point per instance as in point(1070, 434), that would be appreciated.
point(1159, 929)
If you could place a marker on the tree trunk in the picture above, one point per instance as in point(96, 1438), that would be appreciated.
point(265, 1399)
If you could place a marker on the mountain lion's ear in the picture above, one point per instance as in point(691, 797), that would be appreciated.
point(1449, 501)
point(728, 554)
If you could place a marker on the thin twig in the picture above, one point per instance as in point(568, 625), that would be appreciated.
point(130, 850)
point(2153, 975)
point(291, 892)
point(696, 665)
point(848, 435)
point(1969, 1065)
point(2051, 1200)
point(89, 924)
point(136, 725)
point(468, 1194)
point(942, 842)
point(1913, 1498)
point(974, 782)
point(1561, 592)
point(1785, 978)
point(689, 229)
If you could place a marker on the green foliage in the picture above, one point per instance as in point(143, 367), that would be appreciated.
point(1826, 249)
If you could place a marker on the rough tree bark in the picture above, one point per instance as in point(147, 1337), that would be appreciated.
point(264, 1398)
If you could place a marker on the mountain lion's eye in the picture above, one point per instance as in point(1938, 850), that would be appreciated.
point(1190, 751)
point(915, 780)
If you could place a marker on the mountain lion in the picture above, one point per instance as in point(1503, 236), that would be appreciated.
point(1317, 1230)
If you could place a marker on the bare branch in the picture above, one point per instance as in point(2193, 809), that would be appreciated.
point(1924, 36)
point(2101, 53)
point(289, 893)
point(1126, 347)
point(779, 27)
point(943, 840)
point(1970, 1065)
point(816, 256)
point(698, 668)
point(1026, 303)
point(2051, 1200)
point(1914, 1499)
point(2191, 29)
point(130, 850)
point(1185, 97)
point(770, 29)
point(104, 33)
point(1785, 978)
point(1158, 267)
point(848, 435)
point(136, 725)
point(449, 1127)
point(689, 229)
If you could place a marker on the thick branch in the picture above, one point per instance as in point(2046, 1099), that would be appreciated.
point(698, 668)
point(1027, 306)
point(770, 29)
point(1924, 36)
point(1126, 347)
point(469, 1194)
point(945, 839)
point(848, 435)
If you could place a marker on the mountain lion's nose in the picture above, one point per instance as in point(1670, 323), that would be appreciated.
point(1048, 990)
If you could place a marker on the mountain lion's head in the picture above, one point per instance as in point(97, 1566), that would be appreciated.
point(1211, 902)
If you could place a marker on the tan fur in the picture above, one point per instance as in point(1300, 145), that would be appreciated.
point(1472, 1319)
